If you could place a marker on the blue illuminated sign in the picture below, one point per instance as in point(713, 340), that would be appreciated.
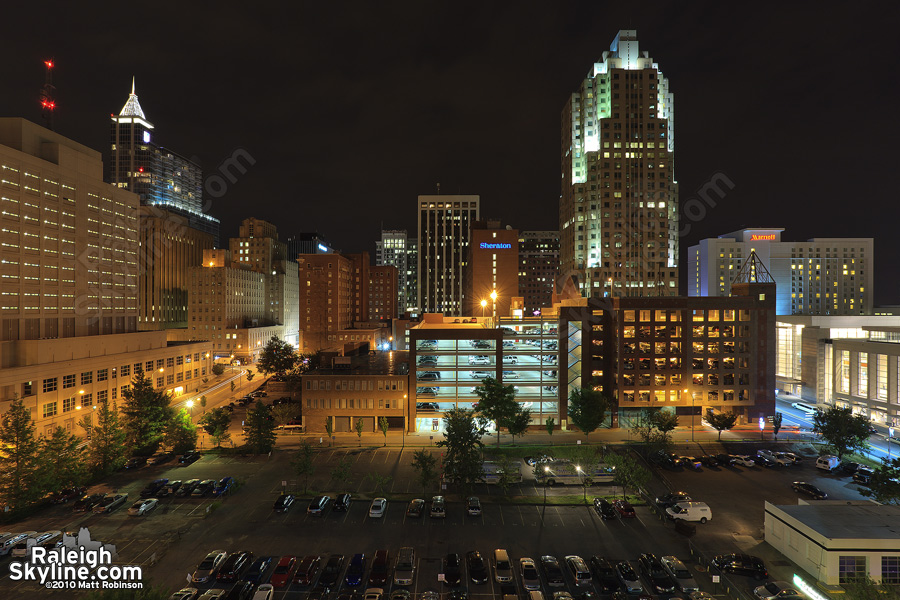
point(486, 246)
point(323, 248)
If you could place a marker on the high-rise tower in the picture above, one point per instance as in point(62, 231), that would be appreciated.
point(618, 211)
point(445, 224)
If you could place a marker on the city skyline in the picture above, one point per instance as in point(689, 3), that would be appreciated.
point(766, 78)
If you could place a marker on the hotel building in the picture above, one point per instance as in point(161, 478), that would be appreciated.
point(493, 273)
point(445, 224)
point(538, 268)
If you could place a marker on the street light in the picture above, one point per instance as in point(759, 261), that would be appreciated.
point(483, 304)
point(692, 414)
point(190, 405)
point(583, 487)
point(546, 474)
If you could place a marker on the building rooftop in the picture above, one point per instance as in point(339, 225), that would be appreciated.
point(838, 519)
point(381, 363)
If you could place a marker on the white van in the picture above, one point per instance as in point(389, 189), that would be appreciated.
point(502, 567)
point(690, 511)
point(405, 567)
point(827, 462)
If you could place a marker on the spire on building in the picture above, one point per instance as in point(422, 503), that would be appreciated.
point(753, 271)
point(132, 108)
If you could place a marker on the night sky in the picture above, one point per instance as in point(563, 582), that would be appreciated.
point(352, 109)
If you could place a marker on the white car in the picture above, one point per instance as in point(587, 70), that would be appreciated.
point(374, 594)
point(776, 590)
point(743, 460)
point(264, 592)
point(511, 360)
point(376, 509)
point(481, 374)
point(143, 506)
point(530, 578)
point(479, 360)
point(677, 571)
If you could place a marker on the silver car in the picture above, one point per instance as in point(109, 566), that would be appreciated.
point(530, 578)
point(209, 566)
point(677, 571)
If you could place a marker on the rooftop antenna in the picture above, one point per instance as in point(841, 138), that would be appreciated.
point(439, 189)
point(48, 96)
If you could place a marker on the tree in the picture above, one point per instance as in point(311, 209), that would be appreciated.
point(776, 425)
point(550, 423)
point(181, 434)
point(359, 426)
point(665, 421)
point(341, 471)
point(379, 481)
point(329, 429)
point(233, 385)
point(507, 472)
point(203, 403)
point(106, 448)
point(587, 409)
point(722, 421)
point(644, 424)
point(497, 402)
point(383, 425)
point(424, 464)
point(18, 459)
point(216, 423)
point(61, 461)
point(218, 369)
point(628, 472)
point(277, 358)
point(250, 375)
point(842, 430)
point(884, 484)
point(865, 588)
point(519, 422)
point(260, 429)
point(303, 463)
point(145, 414)
point(284, 413)
point(462, 439)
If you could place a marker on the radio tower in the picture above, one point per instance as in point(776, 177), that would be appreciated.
point(48, 96)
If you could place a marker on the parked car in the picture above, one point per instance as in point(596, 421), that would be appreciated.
point(528, 570)
point(477, 567)
point(709, 461)
point(684, 581)
point(579, 570)
point(189, 457)
point(342, 502)
point(283, 502)
point(242, 590)
point(438, 509)
point(827, 462)
point(169, 489)
point(624, 508)
point(356, 569)
point(377, 508)
point(473, 506)
point(452, 569)
point(605, 509)
point(213, 594)
point(209, 566)
point(223, 486)
point(690, 462)
point(68, 494)
point(656, 574)
point(794, 459)
point(135, 462)
point(741, 564)
point(765, 461)
point(234, 565)
point(187, 488)
point(153, 487)
point(284, 571)
point(605, 575)
point(188, 593)
point(110, 503)
point(159, 458)
point(379, 574)
point(672, 499)
point(808, 489)
point(258, 569)
point(742, 460)
point(143, 506)
point(777, 590)
point(306, 570)
point(863, 475)
point(87, 503)
point(203, 488)
point(332, 570)
point(628, 578)
point(416, 508)
point(552, 571)
point(318, 505)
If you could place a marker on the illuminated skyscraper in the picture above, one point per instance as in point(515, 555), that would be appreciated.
point(395, 248)
point(618, 210)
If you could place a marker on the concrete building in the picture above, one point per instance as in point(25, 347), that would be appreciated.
point(445, 224)
point(538, 268)
point(307, 243)
point(493, 273)
point(821, 276)
point(382, 293)
point(169, 248)
point(396, 249)
point(618, 211)
point(158, 175)
point(358, 388)
point(837, 541)
point(69, 249)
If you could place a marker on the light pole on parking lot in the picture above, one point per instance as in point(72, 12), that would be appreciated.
point(546, 473)
point(583, 487)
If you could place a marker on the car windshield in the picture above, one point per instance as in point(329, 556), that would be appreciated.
point(682, 574)
point(206, 564)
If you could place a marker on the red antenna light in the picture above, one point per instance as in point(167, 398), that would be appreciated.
point(48, 93)
point(49, 64)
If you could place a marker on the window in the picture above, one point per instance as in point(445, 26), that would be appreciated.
point(881, 376)
point(49, 385)
point(102, 374)
point(68, 404)
point(851, 568)
point(102, 395)
point(862, 381)
point(170, 362)
point(170, 379)
point(88, 399)
point(844, 382)
point(49, 409)
point(68, 381)
point(148, 366)
point(159, 382)
point(179, 360)
point(179, 377)
point(890, 569)
point(126, 371)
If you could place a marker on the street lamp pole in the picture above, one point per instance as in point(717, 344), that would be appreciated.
point(546, 472)
point(692, 414)
point(483, 305)
point(583, 487)
point(494, 304)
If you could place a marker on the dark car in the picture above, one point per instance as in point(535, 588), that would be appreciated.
point(725, 459)
point(416, 508)
point(317, 505)
point(808, 489)
point(189, 457)
point(135, 462)
point(863, 475)
point(64, 496)
point(552, 571)
point(187, 487)
point(604, 574)
point(320, 592)
point(153, 487)
point(671, 499)
point(170, 489)
point(356, 570)
point(332, 570)
point(765, 461)
point(242, 590)
point(624, 508)
point(708, 460)
point(258, 568)
point(87, 503)
point(223, 487)
point(605, 508)
point(203, 488)
point(307, 569)
point(234, 565)
point(283, 502)
point(452, 569)
point(378, 576)
point(477, 566)
point(628, 578)
point(342, 502)
point(741, 564)
point(110, 502)
point(849, 467)
point(656, 574)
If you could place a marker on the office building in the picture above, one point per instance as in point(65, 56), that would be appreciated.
point(307, 243)
point(382, 293)
point(159, 176)
point(493, 273)
point(396, 249)
point(445, 224)
point(618, 212)
point(538, 269)
point(69, 252)
point(821, 276)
